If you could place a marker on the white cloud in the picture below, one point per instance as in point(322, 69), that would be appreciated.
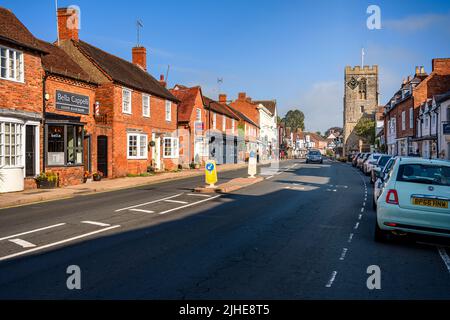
point(418, 22)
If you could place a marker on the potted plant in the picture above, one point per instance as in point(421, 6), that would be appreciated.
point(47, 180)
point(87, 177)
point(97, 176)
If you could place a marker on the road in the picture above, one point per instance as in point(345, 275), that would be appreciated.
point(304, 233)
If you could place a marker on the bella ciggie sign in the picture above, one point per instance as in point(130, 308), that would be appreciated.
point(72, 102)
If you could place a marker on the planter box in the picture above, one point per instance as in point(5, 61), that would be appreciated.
point(47, 184)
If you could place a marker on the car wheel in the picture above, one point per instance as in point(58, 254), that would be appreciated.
point(380, 234)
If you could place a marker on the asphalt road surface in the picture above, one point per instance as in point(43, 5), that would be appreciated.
point(305, 232)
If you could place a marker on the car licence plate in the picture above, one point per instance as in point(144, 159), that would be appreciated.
point(435, 203)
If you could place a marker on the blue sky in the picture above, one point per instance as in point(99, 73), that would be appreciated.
point(291, 51)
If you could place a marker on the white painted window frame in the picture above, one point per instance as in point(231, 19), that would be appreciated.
point(174, 148)
point(146, 112)
point(139, 155)
point(125, 90)
point(20, 61)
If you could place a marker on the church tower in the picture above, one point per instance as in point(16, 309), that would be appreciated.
point(360, 99)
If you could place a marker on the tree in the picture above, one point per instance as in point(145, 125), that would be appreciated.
point(365, 129)
point(319, 133)
point(295, 119)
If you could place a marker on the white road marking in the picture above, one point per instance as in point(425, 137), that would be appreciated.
point(350, 238)
point(362, 209)
point(150, 202)
point(356, 225)
point(444, 257)
point(270, 177)
point(142, 210)
point(31, 231)
point(198, 195)
point(344, 252)
point(333, 277)
point(22, 243)
point(57, 243)
point(95, 223)
point(360, 217)
point(176, 201)
point(364, 204)
point(188, 205)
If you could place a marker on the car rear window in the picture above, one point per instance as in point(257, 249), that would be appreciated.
point(383, 160)
point(424, 173)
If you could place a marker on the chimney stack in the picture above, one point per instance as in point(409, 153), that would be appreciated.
point(68, 24)
point(422, 70)
point(162, 81)
point(223, 98)
point(241, 96)
point(417, 70)
point(139, 57)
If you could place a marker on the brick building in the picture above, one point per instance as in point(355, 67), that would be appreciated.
point(21, 97)
point(139, 109)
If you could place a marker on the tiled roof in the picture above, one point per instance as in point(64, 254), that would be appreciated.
point(60, 63)
point(242, 116)
point(442, 97)
point(219, 108)
point(125, 72)
point(269, 104)
point(187, 101)
point(13, 31)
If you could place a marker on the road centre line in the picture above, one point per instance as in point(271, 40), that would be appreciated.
point(333, 277)
point(95, 223)
point(189, 205)
point(350, 238)
point(22, 243)
point(344, 252)
point(176, 201)
point(362, 209)
point(444, 257)
point(57, 243)
point(32, 231)
point(356, 225)
point(150, 202)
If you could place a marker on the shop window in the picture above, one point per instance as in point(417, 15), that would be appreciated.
point(137, 146)
point(11, 64)
point(64, 145)
point(11, 144)
point(170, 147)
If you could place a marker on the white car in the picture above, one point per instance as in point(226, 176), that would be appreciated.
point(415, 199)
point(371, 163)
point(381, 175)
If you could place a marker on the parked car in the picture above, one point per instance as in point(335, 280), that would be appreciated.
point(415, 199)
point(381, 177)
point(355, 158)
point(381, 162)
point(314, 156)
point(361, 160)
point(370, 163)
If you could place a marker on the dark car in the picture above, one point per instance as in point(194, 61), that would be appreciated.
point(314, 156)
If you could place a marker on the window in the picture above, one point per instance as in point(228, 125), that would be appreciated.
point(170, 147)
point(64, 145)
point(11, 144)
point(146, 105)
point(224, 123)
point(126, 101)
point(362, 109)
point(198, 114)
point(11, 64)
point(403, 120)
point(168, 110)
point(214, 120)
point(411, 118)
point(424, 174)
point(232, 125)
point(137, 146)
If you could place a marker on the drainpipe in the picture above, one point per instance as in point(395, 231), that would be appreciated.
point(44, 105)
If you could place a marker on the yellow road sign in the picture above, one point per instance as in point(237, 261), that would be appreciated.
point(210, 172)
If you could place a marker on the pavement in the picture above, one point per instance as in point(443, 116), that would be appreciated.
point(106, 185)
point(304, 232)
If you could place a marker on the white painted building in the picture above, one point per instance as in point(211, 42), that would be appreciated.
point(268, 134)
point(443, 104)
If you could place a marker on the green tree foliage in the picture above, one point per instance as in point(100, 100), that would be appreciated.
point(295, 119)
point(365, 129)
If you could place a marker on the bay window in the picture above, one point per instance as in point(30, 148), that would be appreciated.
point(170, 147)
point(64, 144)
point(11, 64)
point(137, 146)
point(11, 146)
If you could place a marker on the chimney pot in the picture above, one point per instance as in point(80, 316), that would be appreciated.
point(139, 57)
point(422, 70)
point(417, 70)
point(68, 23)
point(241, 96)
point(222, 98)
point(162, 81)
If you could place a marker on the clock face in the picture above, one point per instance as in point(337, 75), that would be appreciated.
point(353, 83)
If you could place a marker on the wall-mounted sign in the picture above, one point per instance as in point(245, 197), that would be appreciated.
point(72, 102)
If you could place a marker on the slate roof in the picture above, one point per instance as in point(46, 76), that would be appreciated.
point(124, 72)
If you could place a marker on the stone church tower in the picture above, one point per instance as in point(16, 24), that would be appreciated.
point(360, 99)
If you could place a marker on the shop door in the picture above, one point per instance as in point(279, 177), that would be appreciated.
point(102, 155)
point(30, 151)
